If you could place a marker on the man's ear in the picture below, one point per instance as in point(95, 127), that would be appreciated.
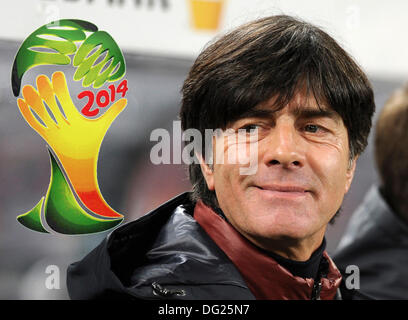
point(350, 173)
point(207, 172)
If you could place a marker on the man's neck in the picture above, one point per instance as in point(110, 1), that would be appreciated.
point(303, 269)
point(289, 248)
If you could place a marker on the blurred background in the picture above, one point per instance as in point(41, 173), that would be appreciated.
point(160, 40)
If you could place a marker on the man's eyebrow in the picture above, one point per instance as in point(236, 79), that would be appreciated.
point(310, 113)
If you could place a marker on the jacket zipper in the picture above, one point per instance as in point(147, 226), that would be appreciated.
point(317, 287)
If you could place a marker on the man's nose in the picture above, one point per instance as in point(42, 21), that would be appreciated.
point(284, 147)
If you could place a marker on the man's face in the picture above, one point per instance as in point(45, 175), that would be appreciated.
point(302, 176)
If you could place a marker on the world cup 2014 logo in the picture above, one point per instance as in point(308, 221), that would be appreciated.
point(73, 203)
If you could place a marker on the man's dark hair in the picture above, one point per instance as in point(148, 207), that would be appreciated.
point(391, 152)
point(272, 57)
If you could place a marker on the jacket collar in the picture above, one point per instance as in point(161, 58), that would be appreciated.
point(263, 275)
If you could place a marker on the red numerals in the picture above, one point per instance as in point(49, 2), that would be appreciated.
point(122, 88)
point(103, 97)
point(112, 92)
point(86, 110)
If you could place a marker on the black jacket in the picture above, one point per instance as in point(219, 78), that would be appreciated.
point(375, 241)
point(164, 254)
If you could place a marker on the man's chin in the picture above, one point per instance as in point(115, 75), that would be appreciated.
point(289, 236)
point(281, 227)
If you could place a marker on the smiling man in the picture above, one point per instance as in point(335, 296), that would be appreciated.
point(302, 175)
point(307, 107)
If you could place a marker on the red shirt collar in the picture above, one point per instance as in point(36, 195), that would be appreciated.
point(264, 276)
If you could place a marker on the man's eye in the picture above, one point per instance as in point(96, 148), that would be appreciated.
point(250, 127)
point(312, 128)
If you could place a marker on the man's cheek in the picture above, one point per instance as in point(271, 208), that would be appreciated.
point(248, 158)
point(325, 165)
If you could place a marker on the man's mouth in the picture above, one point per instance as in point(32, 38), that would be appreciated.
point(283, 191)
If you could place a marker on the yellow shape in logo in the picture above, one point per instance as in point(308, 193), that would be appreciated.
point(75, 140)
